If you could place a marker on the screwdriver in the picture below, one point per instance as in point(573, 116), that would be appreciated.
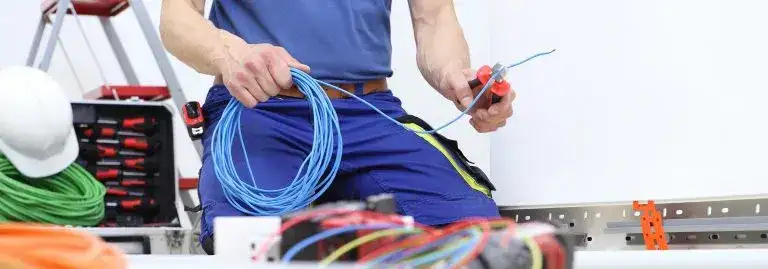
point(112, 173)
point(91, 151)
point(130, 182)
point(139, 124)
point(107, 132)
point(122, 191)
point(130, 204)
point(143, 144)
point(143, 164)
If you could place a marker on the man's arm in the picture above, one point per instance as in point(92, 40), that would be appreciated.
point(190, 37)
point(252, 72)
point(440, 42)
point(443, 59)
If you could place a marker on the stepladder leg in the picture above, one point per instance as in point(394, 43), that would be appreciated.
point(36, 42)
point(119, 50)
point(61, 12)
point(156, 46)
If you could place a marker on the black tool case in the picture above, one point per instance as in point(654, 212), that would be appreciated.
point(165, 213)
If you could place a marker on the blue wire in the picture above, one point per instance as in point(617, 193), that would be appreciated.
point(465, 248)
point(396, 257)
point(318, 169)
point(494, 76)
point(328, 233)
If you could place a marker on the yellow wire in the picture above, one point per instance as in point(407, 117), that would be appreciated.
point(454, 244)
point(365, 239)
point(536, 257)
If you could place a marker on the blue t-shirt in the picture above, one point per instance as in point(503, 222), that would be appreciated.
point(342, 41)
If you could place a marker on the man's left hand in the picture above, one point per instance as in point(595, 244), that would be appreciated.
point(485, 117)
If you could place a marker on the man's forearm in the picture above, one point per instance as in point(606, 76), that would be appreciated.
point(191, 38)
point(440, 41)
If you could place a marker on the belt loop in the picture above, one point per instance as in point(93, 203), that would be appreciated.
point(359, 89)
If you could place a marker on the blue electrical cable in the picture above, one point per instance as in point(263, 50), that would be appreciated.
point(318, 169)
point(395, 257)
point(328, 233)
point(445, 253)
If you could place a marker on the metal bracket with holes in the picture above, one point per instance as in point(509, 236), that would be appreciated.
point(689, 224)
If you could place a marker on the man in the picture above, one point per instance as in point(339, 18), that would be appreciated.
point(249, 46)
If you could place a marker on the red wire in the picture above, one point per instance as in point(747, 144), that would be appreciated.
point(292, 222)
point(478, 248)
point(317, 213)
point(425, 238)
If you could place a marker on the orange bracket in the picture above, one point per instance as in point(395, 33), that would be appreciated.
point(652, 225)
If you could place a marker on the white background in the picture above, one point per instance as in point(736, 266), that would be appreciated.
point(19, 20)
point(643, 100)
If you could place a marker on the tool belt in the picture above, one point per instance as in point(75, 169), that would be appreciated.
point(372, 86)
point(453, 147)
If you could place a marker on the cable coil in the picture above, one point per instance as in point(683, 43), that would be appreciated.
point(27, 246)
point(318, 169)
point(71, 197)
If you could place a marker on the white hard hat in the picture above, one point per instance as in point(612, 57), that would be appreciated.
point(36, 131)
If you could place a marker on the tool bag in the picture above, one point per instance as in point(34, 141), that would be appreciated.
point(453, 147)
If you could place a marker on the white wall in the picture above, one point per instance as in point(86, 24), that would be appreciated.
point(18, 22)
point(669, 93)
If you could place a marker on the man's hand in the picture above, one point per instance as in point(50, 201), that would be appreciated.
point(254, 73)
point(485, 117)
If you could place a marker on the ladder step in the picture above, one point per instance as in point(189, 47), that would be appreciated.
point(148, 93)
point(101, 8)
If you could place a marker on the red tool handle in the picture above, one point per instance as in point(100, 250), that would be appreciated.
point(106, 151)
point(104, 132)
point(193, 118)
point(104, 173)
point(107, 173)
point(139, 124)
point(140, 143)
point(140, 163)
point(125, 192)
point(130, 183)
point(135, 182)
point(130, 204)
point(138, 204)
point(498, 89)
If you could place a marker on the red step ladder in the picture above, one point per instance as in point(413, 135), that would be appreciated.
point(105, 10)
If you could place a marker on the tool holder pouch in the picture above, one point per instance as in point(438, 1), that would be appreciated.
point(453, 147)
point(129, 147)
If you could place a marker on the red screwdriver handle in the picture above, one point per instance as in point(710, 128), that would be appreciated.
point(106, 151)
point(104, 173)
point(140, 143)
point(142, 164)
point(139, 124)
point(135, 182)
point(138, 204)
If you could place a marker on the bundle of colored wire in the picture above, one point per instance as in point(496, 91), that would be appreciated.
point(426, 247)
point(27, 246)
point(295, 249)
point(318, 169)
point(71, 197)
point(335, 255)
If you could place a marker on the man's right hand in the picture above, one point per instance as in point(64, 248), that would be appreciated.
point(255, 73)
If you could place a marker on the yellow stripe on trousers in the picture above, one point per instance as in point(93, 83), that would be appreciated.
point(439, 146)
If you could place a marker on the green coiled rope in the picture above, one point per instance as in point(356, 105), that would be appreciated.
point(71, 197)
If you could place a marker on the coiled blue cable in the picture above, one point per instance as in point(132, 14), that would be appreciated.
point(318, 169)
